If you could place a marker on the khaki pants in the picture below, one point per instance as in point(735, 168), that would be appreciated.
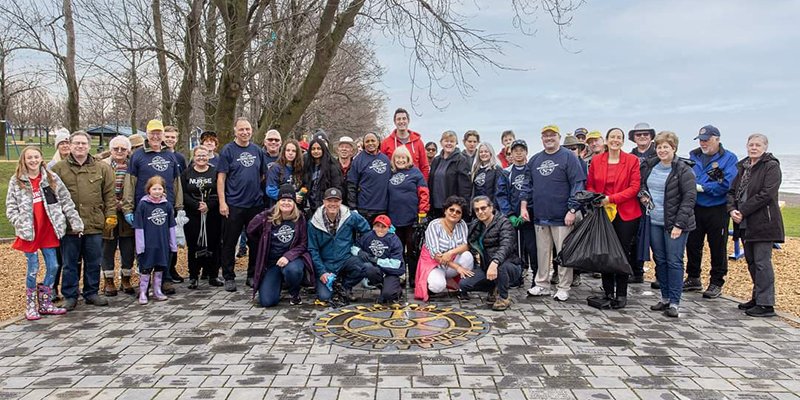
point(546, 237)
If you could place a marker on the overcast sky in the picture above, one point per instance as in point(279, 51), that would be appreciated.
point(678, 65)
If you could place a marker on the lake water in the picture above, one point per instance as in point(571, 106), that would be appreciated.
point(790, 166)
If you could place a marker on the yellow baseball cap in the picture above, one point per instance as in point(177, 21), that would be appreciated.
point(155, 125)
point(552, 128)
point(594, 135)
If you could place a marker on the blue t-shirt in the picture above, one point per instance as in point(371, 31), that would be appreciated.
point(278, 175)
point(554, 179)
point(656, 183)
point(244, 167)
point(181, 161)
point(281, 241)
point(155, 220)
point(370, 173)
point(403, 196)
point(147, 164)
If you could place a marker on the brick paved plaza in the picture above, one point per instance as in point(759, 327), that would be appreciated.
point(210, 344)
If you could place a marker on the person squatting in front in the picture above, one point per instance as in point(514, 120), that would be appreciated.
point(331, 235)
point(282, 253)
point(492, 237)
point(154, 225)
point(381, 255)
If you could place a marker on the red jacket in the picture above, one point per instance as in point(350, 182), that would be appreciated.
point(501, 156)
point(625, 187)
point(415, 146)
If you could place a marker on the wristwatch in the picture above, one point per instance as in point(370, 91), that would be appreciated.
point(572, 210)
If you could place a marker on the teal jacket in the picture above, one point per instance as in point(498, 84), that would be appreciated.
point(329, 252)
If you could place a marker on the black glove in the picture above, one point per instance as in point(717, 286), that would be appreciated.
point(366, 257)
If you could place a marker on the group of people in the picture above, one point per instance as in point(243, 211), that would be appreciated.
point(383, 211)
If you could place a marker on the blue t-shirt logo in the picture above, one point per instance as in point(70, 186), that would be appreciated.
point(378, 166)
point(158, 216)
point(547, 167)
point(285, 234)
point(377, 248)
point(398, 178)
point(246, 159)
point(480, 179)
point(159, 164)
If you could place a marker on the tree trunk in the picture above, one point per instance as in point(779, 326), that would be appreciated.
point(73, 98)
point(183, 102)
point(210, 106)
point(163, 78)
point(134, 95)
point(327, 45)
point(3, 103)
point(234, 14)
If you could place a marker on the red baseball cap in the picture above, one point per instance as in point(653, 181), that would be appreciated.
point(382, 219)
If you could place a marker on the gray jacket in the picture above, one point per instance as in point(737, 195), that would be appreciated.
point(58, 206)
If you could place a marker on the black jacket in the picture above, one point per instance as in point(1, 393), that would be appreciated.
point(499, 240)
point(458, 181)
point(680, 193)
point(330, 177)
point(762, 215)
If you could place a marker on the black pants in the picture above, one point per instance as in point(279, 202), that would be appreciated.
point(626, 230)
point(209, 265)
point(390, 290)
point(507, 274)
point(406, 236)
point(526, 240)
point(238, 218)
point(711, 222)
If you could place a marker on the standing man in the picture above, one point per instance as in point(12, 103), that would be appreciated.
point(596, 145)
point(471, 140)
point(91, 186)
point(272, 145)
point(402, 136)
point(240, 169)
point(154, 159)
point(346, 149)
point(171, 140)
point(556, 175)
point(714, 170)
point(580, 134)
point(643, 135)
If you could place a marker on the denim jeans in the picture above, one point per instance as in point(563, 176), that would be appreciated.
point(507, 273)
point(88, 248)
point(668, 256)
point(269, 290)
point(50, 263)
point(350, 274)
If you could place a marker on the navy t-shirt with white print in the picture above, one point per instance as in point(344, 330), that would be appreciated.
point(244, 167)
point(155, 219)
point(403, 196)
point(388, 246)
point(281, 240)
point(147, 164)
point(371, 173)
point(554, 179)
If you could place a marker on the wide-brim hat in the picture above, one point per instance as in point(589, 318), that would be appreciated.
point(641, 127)
point(137, 140)
point(572, 140)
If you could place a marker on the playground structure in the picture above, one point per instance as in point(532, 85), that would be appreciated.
point(15, 144)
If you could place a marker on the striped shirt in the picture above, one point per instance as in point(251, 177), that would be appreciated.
point(120, 170)
point(439, 241)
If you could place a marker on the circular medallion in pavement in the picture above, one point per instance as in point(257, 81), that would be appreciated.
point(399, 327)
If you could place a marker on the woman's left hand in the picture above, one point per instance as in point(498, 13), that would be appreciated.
point(463, 272)
point(282, 262)
point(736, 215)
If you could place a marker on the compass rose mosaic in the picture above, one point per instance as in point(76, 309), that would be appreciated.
point(399, 327)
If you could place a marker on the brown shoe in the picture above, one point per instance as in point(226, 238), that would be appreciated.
point(110, 289)
point(167, 288)
point(501, 304)
point(491, 297)
point(126, 285)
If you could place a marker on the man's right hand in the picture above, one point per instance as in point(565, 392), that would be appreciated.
point(324, 278)
point(223, 209)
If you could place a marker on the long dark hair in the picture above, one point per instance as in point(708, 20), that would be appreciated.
point(297, 164)
point(325, 163)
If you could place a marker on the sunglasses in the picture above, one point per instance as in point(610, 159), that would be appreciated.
point(639, 134)
point(273, 140)
point(455, 211)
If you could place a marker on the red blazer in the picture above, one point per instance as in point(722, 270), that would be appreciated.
point(625, 188)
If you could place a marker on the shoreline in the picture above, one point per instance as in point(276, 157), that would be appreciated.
point(791, 199)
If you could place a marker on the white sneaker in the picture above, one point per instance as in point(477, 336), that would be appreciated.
point(538, 291)
point(365, 284)
point(561, 295)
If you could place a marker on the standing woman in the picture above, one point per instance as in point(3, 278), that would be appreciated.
point(199, 183)
point(62, 147)
point(616, 175)
point(753, 206)
point(668, 190)
point(38, 206)
point(449, 175)
point(282, 255)
point(408, 195)
point(288, 169)
point(120, 236)
point(368, 180)
point(485, 174)
point(320, 173)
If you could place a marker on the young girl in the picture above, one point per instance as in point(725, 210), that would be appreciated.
point(38, 206)
point(154, 224)
point(288, 169)
point(319, 173)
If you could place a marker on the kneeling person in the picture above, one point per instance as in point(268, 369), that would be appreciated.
point(492, 237)
point(381, 254)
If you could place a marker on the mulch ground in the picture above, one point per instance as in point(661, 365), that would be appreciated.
point(738, 285)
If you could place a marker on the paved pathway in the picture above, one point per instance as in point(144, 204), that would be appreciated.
point(210, 344)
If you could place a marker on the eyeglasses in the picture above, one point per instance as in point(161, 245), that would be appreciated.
point(638, 134)
point(482, 209)
point(273, 140)
point(119, 148)
point(200, 157)
point(455, 211)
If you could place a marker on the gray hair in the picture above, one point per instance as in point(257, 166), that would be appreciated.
point(476, 199)
point(761, 136)
point(476, 165)
point(81, 133)
point(120, 140)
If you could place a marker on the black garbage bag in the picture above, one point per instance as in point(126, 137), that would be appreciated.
point(593, 246)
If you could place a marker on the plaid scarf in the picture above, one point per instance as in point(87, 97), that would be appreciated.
point(331, 225)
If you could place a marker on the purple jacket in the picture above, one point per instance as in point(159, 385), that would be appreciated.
point(260, 228)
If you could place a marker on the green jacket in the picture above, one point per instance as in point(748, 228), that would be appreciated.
point(91, 187)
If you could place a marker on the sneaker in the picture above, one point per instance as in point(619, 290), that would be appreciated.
point(692, 285)
point(462, 295)
point(576, 280)
point(192, 283)
point(761, 311)
point(491, 297)
point(561, 295)
point(619, 302)
point(538, 291)
point(501, 304)
point(215, 282)
point(636, 279)
point(296, 300)
point(249, 282)
point(70, 303)
point(554, 280)
point(660, 306)
point(597, 275)
point(712, 292)
point(671, 312)
point(365, 284)
point(96, 300)
point(655, 285)
point(230, 285)
point(746, 306)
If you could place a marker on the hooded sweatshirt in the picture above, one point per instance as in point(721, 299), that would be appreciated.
point(415, 146)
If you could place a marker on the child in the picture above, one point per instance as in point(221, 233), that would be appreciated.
point(510, 192)
point(38, 206)
point(154, 224)
point(382, 253)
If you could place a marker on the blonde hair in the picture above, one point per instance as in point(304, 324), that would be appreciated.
point(449, 134)
point(476, 165)
point(22, 169)
point(155, 180)
point(667, 137)
point(276, 218)
point(401, 151)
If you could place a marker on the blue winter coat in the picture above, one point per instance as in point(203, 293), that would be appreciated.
point(329, 252)
point(715, 191)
